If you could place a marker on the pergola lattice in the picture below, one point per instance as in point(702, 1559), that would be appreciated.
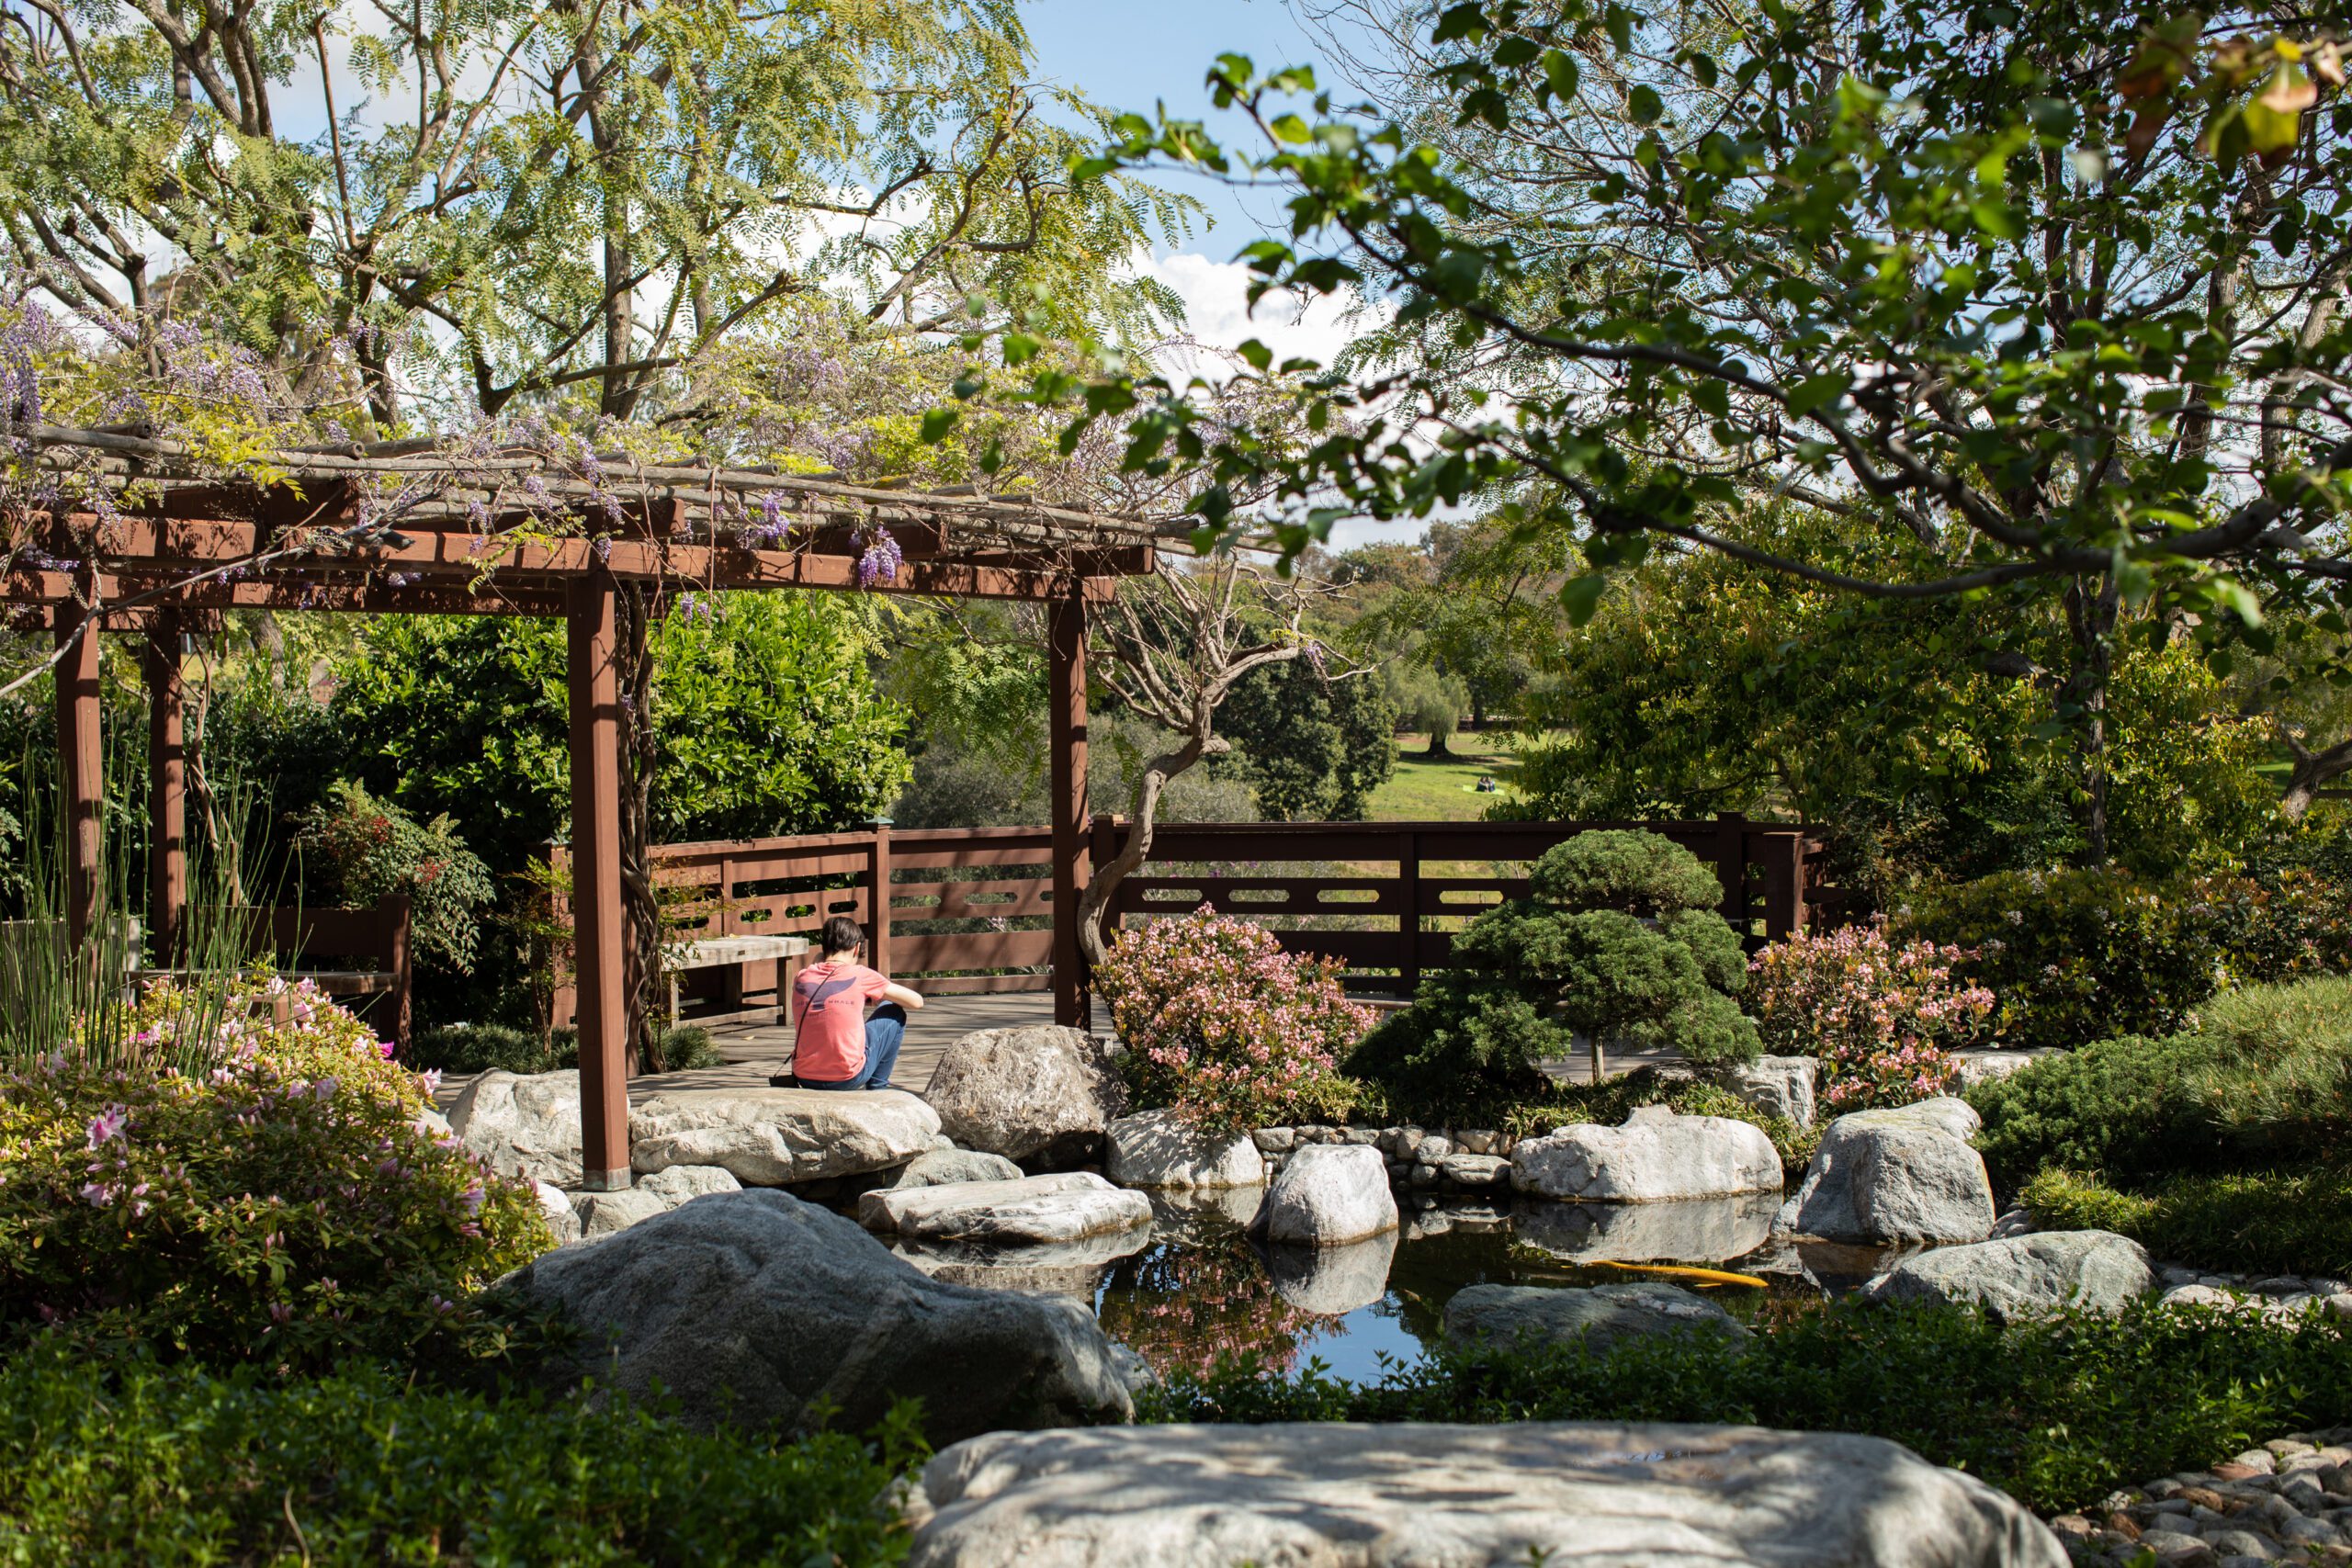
point(420, 528)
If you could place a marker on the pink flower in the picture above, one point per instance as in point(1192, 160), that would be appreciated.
point(109, 1124)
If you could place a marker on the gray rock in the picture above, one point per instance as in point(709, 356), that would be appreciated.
point(1041, 1091)
point(1063, 1208)
point(602, 1214)
point(1158, 1149)
point(1072, 1269)
point(941, 1168)
point(1336, 1495)
point(1475, 1170)
point(1975, 1068)
point(1704, 1229)
point(1903, 1174)
point(1602, 1316)
point(1139, 1373)
point(1479, 1141)
point(1332, 1281)
point(1327, 1195)
point(748, 1308)
point(1432, 1150)
point(2198, 1295)
point(524, 1126)
point(1775, 1086)
point(2017, 1222)
point(679, 1183)
point(1656, 1156)
point(775, 1137)
point(555, 1207)
point(1273, 1140)
point(2026, 1276)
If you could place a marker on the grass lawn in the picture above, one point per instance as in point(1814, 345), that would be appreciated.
point(1443, 789)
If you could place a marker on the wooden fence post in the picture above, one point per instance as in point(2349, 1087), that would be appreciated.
point(83, 766)
point(1731, 865)
point(1408, 913)
point(1066, 796)
point(393, 913)
point(877, 896)
point(599, 920)
point(166, 793)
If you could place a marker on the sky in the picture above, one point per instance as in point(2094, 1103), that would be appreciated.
point(1133, 56)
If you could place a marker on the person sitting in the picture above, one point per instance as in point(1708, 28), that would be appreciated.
point(835, 1045)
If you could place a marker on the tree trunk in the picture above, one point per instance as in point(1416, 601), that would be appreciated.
point(2312, 771)
point(2090, 618)
point(1438, 747)
point(1150, 785)
point(641, 948)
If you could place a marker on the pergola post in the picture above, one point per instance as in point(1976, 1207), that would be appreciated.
point(84, 766)
point(599, 921)
point(166, 793)
point(1066, 796)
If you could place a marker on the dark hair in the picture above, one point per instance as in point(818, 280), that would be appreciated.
point(841, 934)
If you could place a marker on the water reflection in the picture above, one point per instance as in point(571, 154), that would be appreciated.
point(1703, 1230)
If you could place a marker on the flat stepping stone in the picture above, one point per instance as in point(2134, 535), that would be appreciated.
point(1034, 1209)
point(778, 1137)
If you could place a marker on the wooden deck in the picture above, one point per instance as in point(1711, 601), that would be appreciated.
point(754, 1052)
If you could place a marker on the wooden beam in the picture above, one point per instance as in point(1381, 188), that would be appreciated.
point(167, 795)
point(1066, 798)
point(82, 763)
point(599, 920)
point(193, 546)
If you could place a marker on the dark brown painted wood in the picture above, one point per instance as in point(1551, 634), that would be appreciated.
point(166, 795)
point(1066, 798)
point(598, 917)
point(82, 767)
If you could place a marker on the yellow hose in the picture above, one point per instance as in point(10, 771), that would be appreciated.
point(1696, 1276)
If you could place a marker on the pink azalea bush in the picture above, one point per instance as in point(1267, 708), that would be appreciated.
point(1881, 1017)
point(288, 1202)
point(1224, 1027)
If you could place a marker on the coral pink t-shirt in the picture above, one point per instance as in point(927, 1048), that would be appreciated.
point(828, 1010)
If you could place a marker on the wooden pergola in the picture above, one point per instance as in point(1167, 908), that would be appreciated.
point(158, 548)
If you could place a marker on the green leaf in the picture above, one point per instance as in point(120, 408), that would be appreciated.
point(1020, 348)
point(938, 422)
point(1580, 596)
point(1643, 105)
point(1996, 218)
point(1818, 391)
point(1560, 71)
point(1256, 354)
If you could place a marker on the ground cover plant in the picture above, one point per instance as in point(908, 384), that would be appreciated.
point(1225, 1028)
point(272, 1192)
point(136, 1464)
point(2057, 1413)
point(2260, 1223)
point(1618, 942)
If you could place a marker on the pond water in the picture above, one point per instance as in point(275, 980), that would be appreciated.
point(1196, 1287)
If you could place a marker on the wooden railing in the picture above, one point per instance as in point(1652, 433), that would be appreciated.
point(971, 910)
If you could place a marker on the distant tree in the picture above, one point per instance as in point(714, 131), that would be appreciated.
point(1316, 747)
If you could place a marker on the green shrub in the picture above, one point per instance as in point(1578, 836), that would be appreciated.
point(2075, 956)
point(2283, 1221)
point(138, 1465)
point(1617, 944)
point(2057, 1413)
point(1881, 1017)
point(2126, 1106)
point(2280, 924)
point(686, 1046)
point(289, 1207)
point(357, 848)
point(2266, 1082)
point(482, 1048)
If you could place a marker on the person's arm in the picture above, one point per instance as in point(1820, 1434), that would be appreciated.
point(893, 992)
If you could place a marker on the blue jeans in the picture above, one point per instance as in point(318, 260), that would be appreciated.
point(883, 1032)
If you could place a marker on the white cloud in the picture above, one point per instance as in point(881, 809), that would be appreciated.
point(1216, 308)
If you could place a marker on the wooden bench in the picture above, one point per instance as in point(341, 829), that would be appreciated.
point(729, 954)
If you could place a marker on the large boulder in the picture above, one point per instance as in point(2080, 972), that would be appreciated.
point(1042, 1092)
point(524, 1125)
point(1332, 1281)
point(1902, 1174)
point(1602, 1316)
point(2025, 1276)
point(1655, 1158)
point(1775, 1086)
point(943, 1168)
point(1160, 1150)
point(1034, 1209)
point(776, 1138)
point(1389, 1495)
point(555, 1207)
point(1327, 1195)
point(1697, 1230)
point(755, 1308)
